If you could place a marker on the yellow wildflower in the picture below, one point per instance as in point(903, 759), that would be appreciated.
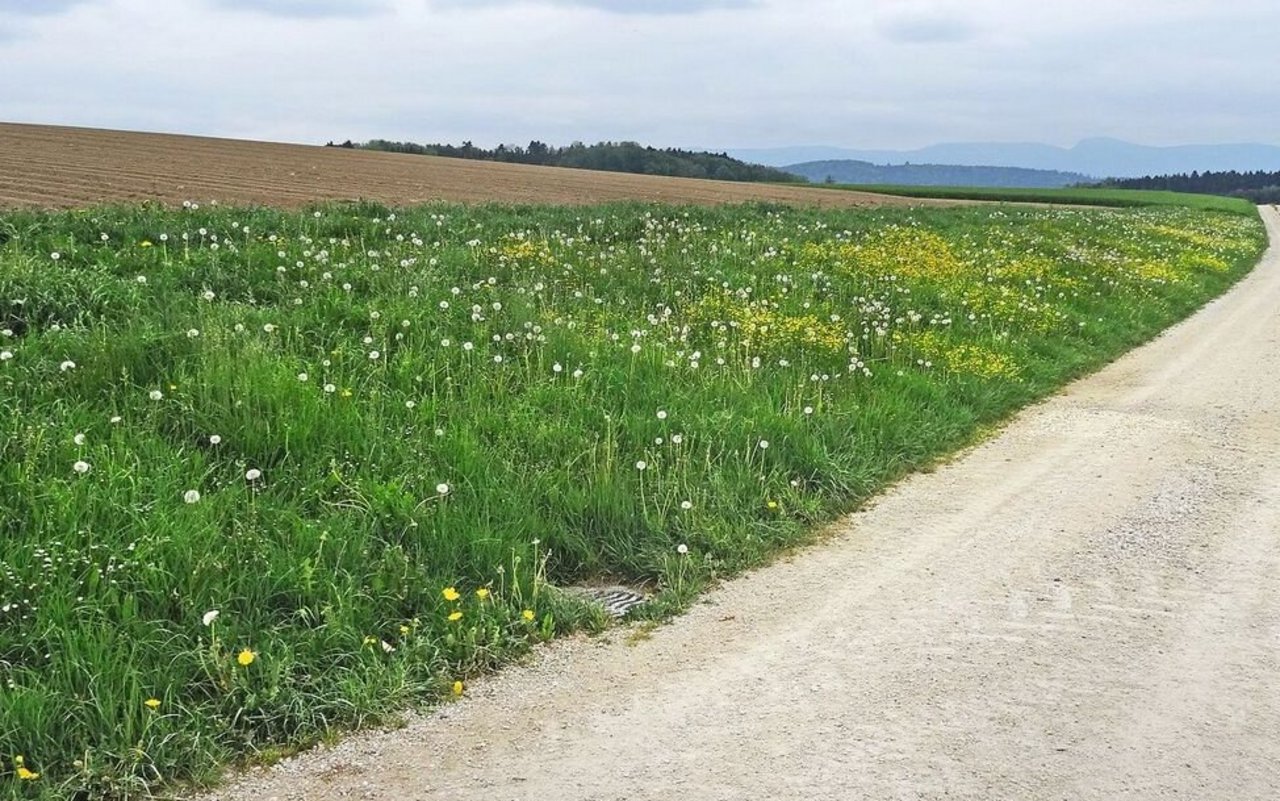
point(482, 593)
point(146, 243)
point(370, 641)
point(455, 616)
point(772, 504)
point(152, 703)
point(457, 688)
point(404, 630)
point(246, 657)
point(21, 769)
point(527, 614)
point(450, 594)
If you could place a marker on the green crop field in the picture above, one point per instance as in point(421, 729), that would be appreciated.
point(267, 475)
point(1118, 198)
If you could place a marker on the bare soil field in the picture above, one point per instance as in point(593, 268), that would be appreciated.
point(46, 166)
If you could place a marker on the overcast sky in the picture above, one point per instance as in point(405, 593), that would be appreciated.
point(695, 73)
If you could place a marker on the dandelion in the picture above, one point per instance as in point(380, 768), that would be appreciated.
point(67, 365)
point(330, 389)
point(142, 279)
point(442, 489)
point(455, 616)
point(215, 439)
point(764, 444)
point(156, 395)
point(676, 439)
point(252, 474)
point(682, 549)
point(557, 368)
point(208, 617)
point(662, 414)
point(146, 243)
point(482, 593)
point(115, 419)
point(78, 439)
point(450, 594)
point(191, 496)
point(303, 377)
point(152, 703)
point(409, 404)
point(346, 392)
point(374, 355)
point(208, 294)
point(55, 255)
point(772, 504)
point(81, 467)
point(457, 688)
point(404, 630)
point(23, 773)
point(808, 410)
point(245, 657)
point(192, 333)
point(527, 615)
point(577, 374)
point(269, 328)
point(686, 505)
point(5, 355)
point(642, 465)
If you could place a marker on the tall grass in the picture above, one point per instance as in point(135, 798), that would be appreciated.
point(264, 475)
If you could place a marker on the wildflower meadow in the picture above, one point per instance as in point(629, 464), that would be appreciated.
point(269, 475)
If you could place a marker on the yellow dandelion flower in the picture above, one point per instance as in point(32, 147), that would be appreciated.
point(152, 703)
point(370, 641)
point(457, 688)
point(246, 657)
point(450, 594)
point(772, 504)
point(146, 243)
point(27, 775)
point(527, 615)
point(346, 393)
point(404, 630)
point(455, 616)
point(482, 593)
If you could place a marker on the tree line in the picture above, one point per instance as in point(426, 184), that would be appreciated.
point(1258, 186)
point(611, 156)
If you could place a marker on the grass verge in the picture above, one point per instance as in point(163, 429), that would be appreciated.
point(264, 475)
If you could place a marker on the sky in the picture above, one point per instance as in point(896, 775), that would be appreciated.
point(715, 74)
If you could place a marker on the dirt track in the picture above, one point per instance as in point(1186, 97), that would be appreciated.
point(56, 167)
point(1085, 607)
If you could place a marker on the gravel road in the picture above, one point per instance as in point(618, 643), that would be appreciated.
point(1087, 606)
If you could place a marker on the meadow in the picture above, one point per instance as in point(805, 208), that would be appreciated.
point(268, 475)
point(1118, 198)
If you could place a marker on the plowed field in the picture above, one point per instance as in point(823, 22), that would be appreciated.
point(59, 167)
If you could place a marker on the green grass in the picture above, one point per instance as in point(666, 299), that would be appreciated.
point(459, 399)
point(1117, 198)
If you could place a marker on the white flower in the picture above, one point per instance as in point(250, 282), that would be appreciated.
point(252, 474)
point(67, 365)
point(192, 333)
point(373, 355)
point(215, 439)
point(676, 439)
point(5, 355)
point(208, 294)
point(409, 404)
point(80, 467)
point(682, 549)
point(442, 488)
point(808, 410)
point(191, 496)
point(642, 464)
point(467, 346)
point(662, 414)
point(686, 505)
point(635, 348)
point(330, 388)
point(209, 617)
point(439, 432)
point(157, 395)
point(78, 439)
point(303, 376)
point(497, 359)
point(115, 419)
point(557, 368)
point(142, 279)
point(764, 443)
point(269, 327)
point(55, 255)
point(577, 374)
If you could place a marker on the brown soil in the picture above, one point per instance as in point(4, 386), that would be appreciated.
point(58, 167)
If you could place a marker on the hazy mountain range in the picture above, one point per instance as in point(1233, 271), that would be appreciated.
point(845, 171)
point(1100, 158)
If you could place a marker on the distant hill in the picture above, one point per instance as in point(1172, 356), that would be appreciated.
point(1097, 157)
point(608, 156)
point(847, 171)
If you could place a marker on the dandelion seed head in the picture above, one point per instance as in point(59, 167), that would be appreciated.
point(252, 474)
point(191, 496)
point(208, 617)
point(682, 549)
point(81, 467)
point(442, 488)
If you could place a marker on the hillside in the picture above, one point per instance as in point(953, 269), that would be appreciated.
point(60, 167)
point(863, 172)
point(1098, 157)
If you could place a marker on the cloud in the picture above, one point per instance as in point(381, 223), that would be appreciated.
point(926, 28)
point(636, 7)
point(310, 9)
point(38, 7)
